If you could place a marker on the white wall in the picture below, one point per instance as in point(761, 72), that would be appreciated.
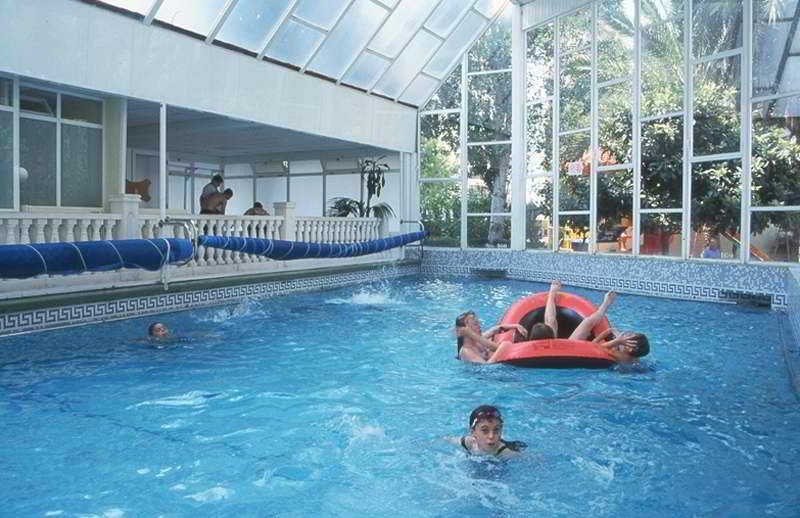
point(78, 44)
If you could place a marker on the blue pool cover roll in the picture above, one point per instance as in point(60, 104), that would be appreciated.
point(285, 250)
point(23, 261)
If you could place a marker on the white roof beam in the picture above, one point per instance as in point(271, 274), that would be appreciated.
point(221, 17)
point(328, 33)
point(363, 47)
point(441, 41)
point(275, 28)
point(148, 19)
point(455, 61)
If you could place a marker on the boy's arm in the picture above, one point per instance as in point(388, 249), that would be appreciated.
point(599, 339)
point(550, 307)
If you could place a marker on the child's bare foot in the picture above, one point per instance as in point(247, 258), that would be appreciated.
point(555, 285)
point(609, 298)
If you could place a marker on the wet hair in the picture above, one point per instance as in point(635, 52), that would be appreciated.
point(217, 178)
point(461, 321)
point(257, 205)
point(228, 192)
point(541, 331)
point(483, 413)
point(642, 347)
point(151, 329)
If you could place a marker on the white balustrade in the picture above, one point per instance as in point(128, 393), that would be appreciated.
point(337, 230)
point(24, 228)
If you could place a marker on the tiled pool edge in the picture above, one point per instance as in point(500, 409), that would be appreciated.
point(693, 280)
point(792, 345)
point(41, 319)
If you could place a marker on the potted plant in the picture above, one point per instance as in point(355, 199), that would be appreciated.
point(372, 181)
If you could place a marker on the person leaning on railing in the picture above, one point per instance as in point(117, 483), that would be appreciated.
point(215, 203)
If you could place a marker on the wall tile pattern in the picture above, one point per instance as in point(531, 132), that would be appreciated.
point(695, 280)
point(48, 318)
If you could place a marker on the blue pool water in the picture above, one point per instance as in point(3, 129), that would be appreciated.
point(335, 404)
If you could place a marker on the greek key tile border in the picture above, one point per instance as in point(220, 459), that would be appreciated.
point(792, 345)
point(63, 316)
point(691, 280)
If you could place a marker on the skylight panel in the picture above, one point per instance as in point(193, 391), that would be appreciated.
point(408, 64)
point(294, 43)
point(323, 13)
point(350, 35)
point(250, 22)
point(197, 16)
point(135, 6)
point(456, 44)
point(420, 89)
point(401, 26)
point(366, 70)
point(447, 15)
point(489, 8)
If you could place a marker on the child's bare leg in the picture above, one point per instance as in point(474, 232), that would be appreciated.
point(585, 327)
point(550, 307)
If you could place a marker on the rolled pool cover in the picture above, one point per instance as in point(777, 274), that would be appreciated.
point(23, 261)
point(285, 250)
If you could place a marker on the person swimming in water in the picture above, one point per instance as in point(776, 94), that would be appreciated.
point(625, 347)
point(476, 346)
point(157, 330)
point(486, 435)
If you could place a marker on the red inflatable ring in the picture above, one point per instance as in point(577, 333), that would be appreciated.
point(559, 352)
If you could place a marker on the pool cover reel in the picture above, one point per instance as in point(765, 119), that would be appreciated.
point(23, 261)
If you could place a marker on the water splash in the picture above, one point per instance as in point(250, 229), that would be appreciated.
point(195, 398)
point(247, 308)
point(367, 298)
point(212, 495)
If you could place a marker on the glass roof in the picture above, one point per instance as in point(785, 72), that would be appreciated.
point(401, 49)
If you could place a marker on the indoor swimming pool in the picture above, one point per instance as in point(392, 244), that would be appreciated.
point(336, 403)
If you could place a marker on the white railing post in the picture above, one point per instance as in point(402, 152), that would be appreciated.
point(285, 209)
point(127, 206)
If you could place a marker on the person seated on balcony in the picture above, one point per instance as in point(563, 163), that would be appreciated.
point(216, 203)
point(256, 210)
point(211, 187)
point(712, 250)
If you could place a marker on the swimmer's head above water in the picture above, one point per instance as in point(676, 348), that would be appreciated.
point(469, 320)
point(157, 330)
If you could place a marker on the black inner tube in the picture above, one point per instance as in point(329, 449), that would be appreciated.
point(567, 319)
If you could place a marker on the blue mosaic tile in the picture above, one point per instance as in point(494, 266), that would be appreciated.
point(49, 318)
point(695, 280)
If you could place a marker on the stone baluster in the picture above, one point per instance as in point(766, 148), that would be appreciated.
point(240, 227)
point(24, 237)
point(12, 231)
point(82, 228)
point(38, 230)
point(201, 250)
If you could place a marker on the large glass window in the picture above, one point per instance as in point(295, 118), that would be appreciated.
point(439, 145)
point(6, 159)
point(37, 156)
point(717, 107)
point(440, 210)
point(81, 166)
point(716, 209)
point(51, 122)
point(664, 173)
